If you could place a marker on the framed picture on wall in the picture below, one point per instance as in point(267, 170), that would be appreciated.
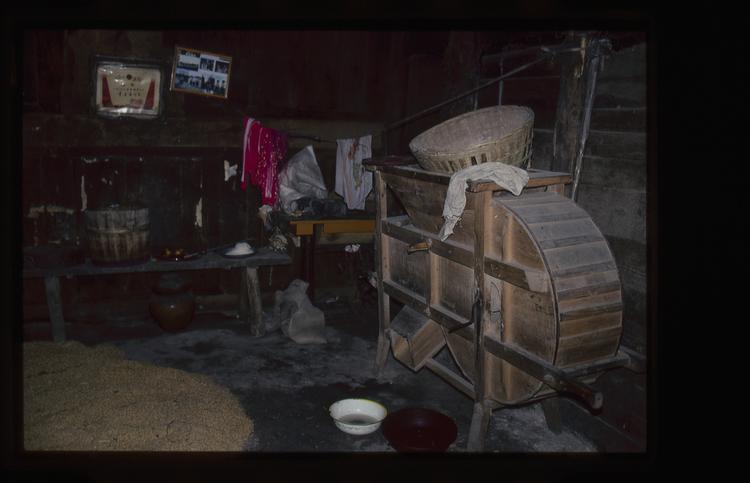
point(200, 72)
point(126, 87)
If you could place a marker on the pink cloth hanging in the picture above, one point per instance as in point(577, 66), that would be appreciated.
point(249, 151)
point(263, 153)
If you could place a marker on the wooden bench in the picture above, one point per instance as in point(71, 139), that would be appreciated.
point(250, 302)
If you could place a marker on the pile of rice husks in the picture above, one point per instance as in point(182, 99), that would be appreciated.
point(92, 398)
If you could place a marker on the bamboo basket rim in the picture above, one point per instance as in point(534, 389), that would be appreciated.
point(414, 144)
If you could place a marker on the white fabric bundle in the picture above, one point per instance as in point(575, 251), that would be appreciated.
point(509, 177)
point(353, 183)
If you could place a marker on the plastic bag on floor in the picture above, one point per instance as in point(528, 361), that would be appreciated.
point(301, 178)
point(298, 318)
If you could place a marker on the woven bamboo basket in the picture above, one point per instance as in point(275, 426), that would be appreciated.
point(492, 134)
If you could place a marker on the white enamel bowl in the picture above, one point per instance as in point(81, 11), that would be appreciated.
point(357, 416)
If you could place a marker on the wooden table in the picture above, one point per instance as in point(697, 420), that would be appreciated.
point(307, 229)
point(250, 302)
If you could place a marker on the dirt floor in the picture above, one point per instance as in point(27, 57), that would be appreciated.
point(284, 387)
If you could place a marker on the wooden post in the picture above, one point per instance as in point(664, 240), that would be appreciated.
point(568, 117)
point(595, 49)
point(381, 247)
point(308, 261)
point(54, 305)
point(251, 308)
point(481, 417)
point(480, 420)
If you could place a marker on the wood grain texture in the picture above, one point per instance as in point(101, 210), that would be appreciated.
point(210, 260)
point(382, 253)
point(541, 271)
point(415, 338)
point(405, 269)
point(588, 298)
point(482, 207)
point(252, 291)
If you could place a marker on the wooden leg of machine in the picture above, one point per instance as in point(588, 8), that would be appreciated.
point(482, 407)
point(384, 301)
point(551, 408)
point(54, 305)
point(381, 356)
point(250, 303)
point(480, 420)
point(384, 318)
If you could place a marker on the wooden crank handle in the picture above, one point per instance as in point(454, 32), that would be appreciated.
point(419, 246)
point(592, 397)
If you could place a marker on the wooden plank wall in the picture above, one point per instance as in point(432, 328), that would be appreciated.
point(613, 190)
point(326, 84)
point(614, 176)
point(614, 179)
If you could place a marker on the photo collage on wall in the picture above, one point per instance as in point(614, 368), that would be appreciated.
point(200, 72)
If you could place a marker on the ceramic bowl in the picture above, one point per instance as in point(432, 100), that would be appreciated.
point(357, 416)
point(419, 430)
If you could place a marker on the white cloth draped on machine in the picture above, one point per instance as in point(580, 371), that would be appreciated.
point(353, 183)
point(511, 178)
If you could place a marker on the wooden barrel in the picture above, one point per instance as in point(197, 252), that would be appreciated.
point(571, 316)
point(117, 234)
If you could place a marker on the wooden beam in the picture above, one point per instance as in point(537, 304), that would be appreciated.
point(518, 275)
point(540, 369)
point(452, 321)
point(405, 296)
point(581, 370)
point(210, 260)
point(415, 172)
point(400, 233)
point(450, 377)
point(537, 177)
point(513, 273)
point(453, 252)
point(91, 135)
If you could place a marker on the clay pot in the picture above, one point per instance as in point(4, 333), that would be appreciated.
point(173, 312)
point(171, 284)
